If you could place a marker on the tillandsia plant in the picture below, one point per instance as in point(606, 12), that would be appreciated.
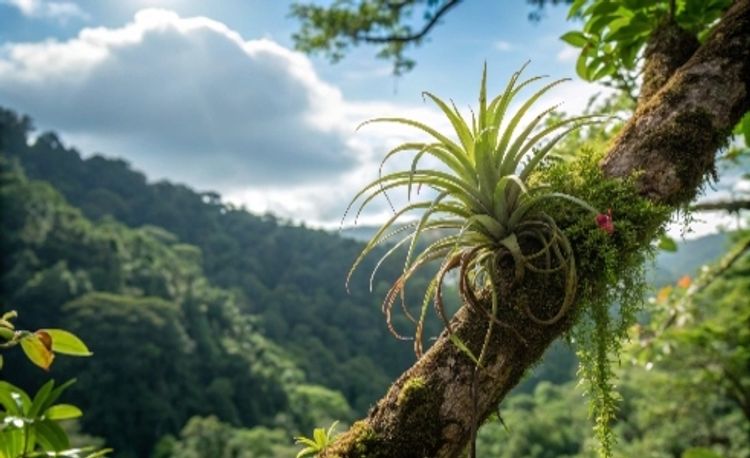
point(485, 202)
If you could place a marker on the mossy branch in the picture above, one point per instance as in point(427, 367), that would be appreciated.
point(658, 161)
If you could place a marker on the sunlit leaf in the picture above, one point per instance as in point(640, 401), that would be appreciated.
point(63, 412)
point(575, 38)
point(37, 352)
point(67, 343)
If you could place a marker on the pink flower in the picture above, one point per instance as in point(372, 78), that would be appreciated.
point(604, 221)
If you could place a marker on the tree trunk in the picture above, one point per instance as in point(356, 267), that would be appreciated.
point(669, 144)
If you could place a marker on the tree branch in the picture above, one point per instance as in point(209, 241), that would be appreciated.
point(670, 142)
point(668, 48)
point(731, 206)
point(672, 138)
point(416, 36)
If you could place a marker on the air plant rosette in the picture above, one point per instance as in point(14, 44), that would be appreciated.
point(484, 206)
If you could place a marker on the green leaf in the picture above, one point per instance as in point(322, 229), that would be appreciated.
point(604, 8)
point(51, 436)
point(743, 128)
point(36, 351)
point(63, 412)
point(6, 333)
point(55, 394)
point(630, 32)
point(13, 399)
point(575, 38)
point(636, 4)
point(308, 451)
point(67, 343)
point(462, 346)
point(575, 7)
point(595, 26)
point(320, 436)
point(11, 442)
point(667, 244)
point(581, 68)
point(604, 70)
point(628, 54)
point(40, 399)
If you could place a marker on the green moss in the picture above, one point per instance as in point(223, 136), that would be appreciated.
point(610, 269)
point(359, 442)
point(419, 428)
point(637, 220)
point(687, 132)
point(413, 387)
point(422, 416)
point(365, 439)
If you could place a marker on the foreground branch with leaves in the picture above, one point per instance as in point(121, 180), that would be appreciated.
point(30, 426)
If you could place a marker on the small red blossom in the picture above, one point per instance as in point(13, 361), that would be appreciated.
point(604, 221)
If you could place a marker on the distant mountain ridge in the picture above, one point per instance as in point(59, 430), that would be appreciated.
point(291, 277)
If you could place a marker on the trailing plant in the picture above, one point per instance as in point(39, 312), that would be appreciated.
point(613, 265)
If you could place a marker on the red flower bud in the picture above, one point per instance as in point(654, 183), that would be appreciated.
point(604, 221)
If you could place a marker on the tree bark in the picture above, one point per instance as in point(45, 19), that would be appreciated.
point(731, 206)
point(668, 48)
point(669, 144)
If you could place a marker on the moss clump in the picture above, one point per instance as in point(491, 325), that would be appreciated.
point(689, 131)
point(419, 416)
point(422, 417)
point(601, 256)
point(413, 387)
point(612, 289)
point(359, 442)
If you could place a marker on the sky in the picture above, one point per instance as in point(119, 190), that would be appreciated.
point(213, 95)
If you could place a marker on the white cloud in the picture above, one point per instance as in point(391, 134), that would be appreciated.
point(568, 54)
point(191, 100)
point(61, 11)
point(185, 98)
point(503, 46)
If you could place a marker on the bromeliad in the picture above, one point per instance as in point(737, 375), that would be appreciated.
point(485, 205)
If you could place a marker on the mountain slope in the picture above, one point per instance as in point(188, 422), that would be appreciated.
point(291, 277)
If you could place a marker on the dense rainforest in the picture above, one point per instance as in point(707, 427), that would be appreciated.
point(207, 308)
point(217, 332)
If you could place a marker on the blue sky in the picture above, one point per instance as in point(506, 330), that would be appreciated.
point(495, 31)
point(211, 93)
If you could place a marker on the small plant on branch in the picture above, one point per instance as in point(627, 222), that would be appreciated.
point(485, 206)
point(317, 443)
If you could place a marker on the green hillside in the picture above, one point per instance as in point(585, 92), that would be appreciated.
point(169, 345)
point(239, 312)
